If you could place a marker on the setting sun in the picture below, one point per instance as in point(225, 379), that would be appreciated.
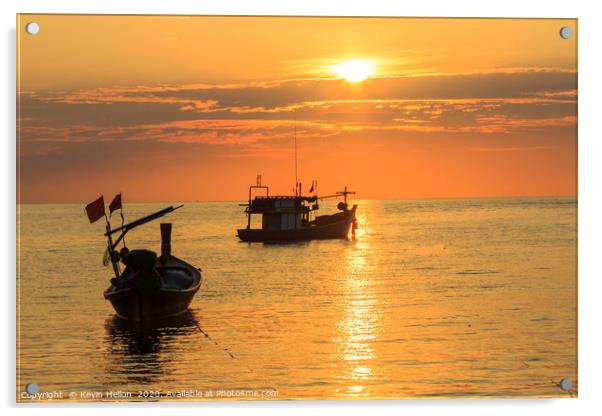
point(353, 70)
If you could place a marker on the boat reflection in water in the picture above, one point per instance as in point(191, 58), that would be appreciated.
point(139, 353)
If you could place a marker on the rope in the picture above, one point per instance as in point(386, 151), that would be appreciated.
point(257, 376)
point(207, 335)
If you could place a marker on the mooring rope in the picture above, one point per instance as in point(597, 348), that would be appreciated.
point(207, 335)
point(226, 350)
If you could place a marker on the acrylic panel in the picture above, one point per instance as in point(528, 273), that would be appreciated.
point(275, 208)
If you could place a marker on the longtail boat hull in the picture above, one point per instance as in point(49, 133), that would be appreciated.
point(165, 302)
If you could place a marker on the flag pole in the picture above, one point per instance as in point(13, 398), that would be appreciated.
point(121, 213)
point(110, 248)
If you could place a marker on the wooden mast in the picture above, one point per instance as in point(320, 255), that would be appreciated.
point(297, 192)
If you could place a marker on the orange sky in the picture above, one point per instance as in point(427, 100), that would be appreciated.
point(192, 108)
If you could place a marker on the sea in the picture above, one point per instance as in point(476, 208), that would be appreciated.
point(445, 298)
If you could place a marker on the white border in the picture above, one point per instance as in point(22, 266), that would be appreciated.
point(590, 206)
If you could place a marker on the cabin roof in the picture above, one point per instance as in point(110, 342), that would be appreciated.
point(280, 204)
point(286, 197)
point(277, 197)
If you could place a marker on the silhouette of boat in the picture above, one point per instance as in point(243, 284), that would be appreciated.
point(150, 287)
point(292, 218)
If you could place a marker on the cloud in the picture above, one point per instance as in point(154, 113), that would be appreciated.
point(499, 101)
point(502, 84)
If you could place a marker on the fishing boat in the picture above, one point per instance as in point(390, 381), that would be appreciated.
point(293, 218)
point(149, 287)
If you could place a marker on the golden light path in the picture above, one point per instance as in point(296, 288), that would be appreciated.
point(360, 324)
point(353, 70)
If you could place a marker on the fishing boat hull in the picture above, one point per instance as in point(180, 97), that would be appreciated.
point(334, 226)
point(164, 302)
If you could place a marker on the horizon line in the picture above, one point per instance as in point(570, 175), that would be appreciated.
point(359, 199)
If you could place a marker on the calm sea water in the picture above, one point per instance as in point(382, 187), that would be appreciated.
point(439, 298)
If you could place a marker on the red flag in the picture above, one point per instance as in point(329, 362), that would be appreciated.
point(96, 209)
point(115, 203)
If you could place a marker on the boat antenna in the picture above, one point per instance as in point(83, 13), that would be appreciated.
point(295, 135)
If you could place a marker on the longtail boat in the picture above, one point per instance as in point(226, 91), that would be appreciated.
point(149, 287)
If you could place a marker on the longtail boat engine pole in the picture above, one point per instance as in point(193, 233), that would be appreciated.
point(165, 241)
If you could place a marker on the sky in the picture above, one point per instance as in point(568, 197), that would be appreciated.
point(173, 108)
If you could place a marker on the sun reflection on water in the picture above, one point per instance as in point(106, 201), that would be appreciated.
point(360, 322)
point(432, 299)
